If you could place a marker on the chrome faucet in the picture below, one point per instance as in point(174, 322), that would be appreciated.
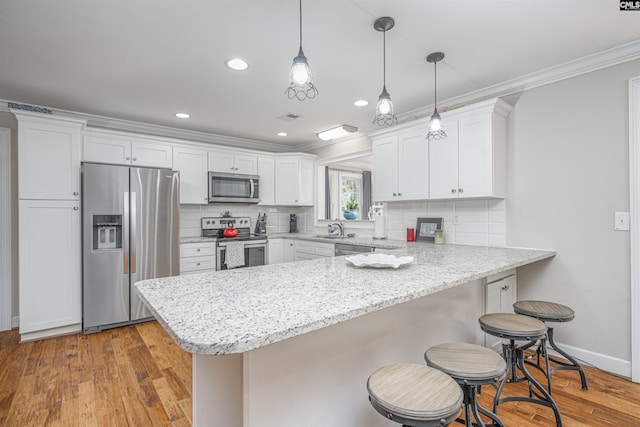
point(337, 224)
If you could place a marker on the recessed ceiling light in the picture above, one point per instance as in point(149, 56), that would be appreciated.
point(281, 134)
point(361, 103)
point(237, 64)
point(182, 115)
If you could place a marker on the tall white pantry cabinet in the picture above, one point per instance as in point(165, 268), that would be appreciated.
point(49, 151)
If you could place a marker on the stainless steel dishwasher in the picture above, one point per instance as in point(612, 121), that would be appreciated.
point(347, 249)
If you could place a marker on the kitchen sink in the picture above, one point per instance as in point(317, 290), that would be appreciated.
point(330, 236)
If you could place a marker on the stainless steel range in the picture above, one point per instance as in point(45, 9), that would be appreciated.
point(253, 247)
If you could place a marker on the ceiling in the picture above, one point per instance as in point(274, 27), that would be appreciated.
point(145, 60)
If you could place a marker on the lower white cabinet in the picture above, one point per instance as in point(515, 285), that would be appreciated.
point(501, 293)
point(49, 268)
point(305, 249)
point(197, 257)
point(289, 250)
point(276, 251)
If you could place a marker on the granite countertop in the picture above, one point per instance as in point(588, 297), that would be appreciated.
point(234, 311)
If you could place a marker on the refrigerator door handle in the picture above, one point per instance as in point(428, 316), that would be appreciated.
point(126, 232)
point(133, 236)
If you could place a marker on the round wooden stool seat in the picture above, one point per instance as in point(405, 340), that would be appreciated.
point(415, 395)
point(471, 366)
point(513, 326)
point(464, 361)
point(544, 310)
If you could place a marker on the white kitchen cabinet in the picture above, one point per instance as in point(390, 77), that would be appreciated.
point(124, 150)
point(401, 166)
point(471, 161)
point(294, 180)
point(267, 173)
point(501, 293)
point(197, 257)
point(49, 268)
point(192, 164)
point(276, 251)
point(48, 157)
point(305, 249)
point(229, 162)
point(289, 251)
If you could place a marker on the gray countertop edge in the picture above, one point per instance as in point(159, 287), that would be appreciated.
point(240, 345)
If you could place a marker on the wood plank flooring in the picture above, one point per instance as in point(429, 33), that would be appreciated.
point(136, 376)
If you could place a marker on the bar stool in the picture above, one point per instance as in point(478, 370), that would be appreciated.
point(415, 395)
point(516, 327)
point(551, 312)
point(471, 366)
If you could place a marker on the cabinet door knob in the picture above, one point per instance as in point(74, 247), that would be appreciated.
point(198, 249)
point(460, 190)
point(505, 288)
point(75, 193)
point(134, 159)
point(395, 194)
point(75, 208)
point(127, 158)
point(399, 194)
point(198, 264)
point(453, 190)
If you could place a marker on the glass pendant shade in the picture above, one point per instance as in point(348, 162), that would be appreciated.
point(385, 113)
point(301, 84)
point(436, 127)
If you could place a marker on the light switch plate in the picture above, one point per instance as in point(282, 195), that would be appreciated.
point(621, 221)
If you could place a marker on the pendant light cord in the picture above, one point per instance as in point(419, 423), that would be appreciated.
point(300, 23)
point(435, 84)
point(384, 58)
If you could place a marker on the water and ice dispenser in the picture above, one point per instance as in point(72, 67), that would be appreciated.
point(107, 232)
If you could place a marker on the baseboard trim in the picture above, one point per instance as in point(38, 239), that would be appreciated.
point(599, 360)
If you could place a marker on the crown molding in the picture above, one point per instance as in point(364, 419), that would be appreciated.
point(100, 122)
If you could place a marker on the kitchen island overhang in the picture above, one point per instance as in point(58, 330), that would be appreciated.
point(248, 323)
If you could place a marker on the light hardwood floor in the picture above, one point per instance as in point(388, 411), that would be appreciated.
point(136, 376)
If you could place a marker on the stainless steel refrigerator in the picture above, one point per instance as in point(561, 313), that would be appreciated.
point(130, 232)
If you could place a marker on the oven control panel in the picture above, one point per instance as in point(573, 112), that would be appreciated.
point(218, 223)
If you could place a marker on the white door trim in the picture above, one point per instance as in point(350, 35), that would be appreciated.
point(5, 229)
point(634, 206)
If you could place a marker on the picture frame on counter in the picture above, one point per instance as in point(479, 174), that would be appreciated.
point(426, 228)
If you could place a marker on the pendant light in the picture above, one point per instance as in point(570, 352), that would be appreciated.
point(385, 114)
point(436, 127)
point(301, 84)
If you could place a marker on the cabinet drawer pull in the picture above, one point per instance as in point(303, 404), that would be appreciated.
point(198, 249)
point(399, 194)
point(460, 190)
point(453, 190)
point(198, 264)
point(395, 194)
point(127, 158)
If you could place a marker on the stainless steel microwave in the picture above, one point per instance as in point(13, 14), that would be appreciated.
point(232, 187)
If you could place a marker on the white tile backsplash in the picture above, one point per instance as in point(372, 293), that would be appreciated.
point(277, 217)
point(470, 222)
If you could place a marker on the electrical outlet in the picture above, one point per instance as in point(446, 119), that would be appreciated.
point(621, 221)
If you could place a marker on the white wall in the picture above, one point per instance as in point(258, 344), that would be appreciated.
point(568, 174)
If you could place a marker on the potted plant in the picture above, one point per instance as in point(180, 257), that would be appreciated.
point(351, 209)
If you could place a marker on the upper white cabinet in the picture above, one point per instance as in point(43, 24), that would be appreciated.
point(294, 180)
point(192, 164)
point(123, 150)
point(471, 161)
point(48, 157)
point(229, 162)
point(401, 166)
point(267, 173)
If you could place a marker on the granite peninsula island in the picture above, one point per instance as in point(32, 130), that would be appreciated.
point(293, 344)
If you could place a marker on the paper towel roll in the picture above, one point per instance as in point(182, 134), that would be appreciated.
point(380, 227)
